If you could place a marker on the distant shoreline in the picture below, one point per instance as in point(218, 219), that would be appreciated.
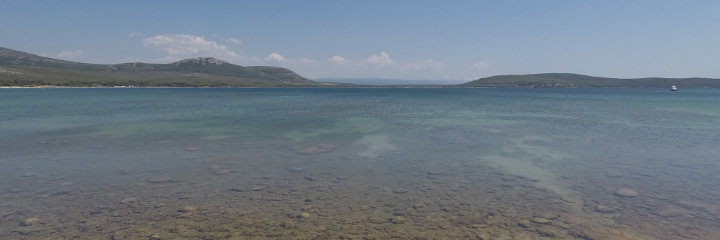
point(349, 86)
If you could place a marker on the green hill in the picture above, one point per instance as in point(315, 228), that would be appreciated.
point(24, 69)
point(566, 80)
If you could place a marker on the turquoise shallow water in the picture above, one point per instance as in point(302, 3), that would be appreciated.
point(359, 163)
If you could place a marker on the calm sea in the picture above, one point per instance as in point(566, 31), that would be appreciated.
point(359, 164)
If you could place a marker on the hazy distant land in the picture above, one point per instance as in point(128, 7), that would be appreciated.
point(29, 70)
point(384, 81)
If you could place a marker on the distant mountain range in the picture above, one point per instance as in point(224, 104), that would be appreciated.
point(24, 69)
point(567, 80)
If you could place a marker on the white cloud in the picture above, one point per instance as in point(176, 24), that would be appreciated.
point(134, 34)
point(427, 64)
point(177, 45)
point(70, 54)
point(235, 41)
point(480, 65)
point(275, 57)
point(338, 59)
point(381, 61)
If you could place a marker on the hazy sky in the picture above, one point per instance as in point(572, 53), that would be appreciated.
point(458, 40)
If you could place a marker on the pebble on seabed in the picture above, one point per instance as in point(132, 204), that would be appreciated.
point(398, 220)
point(669, 211)
point(540, 220)
point(525, 223)
point(613, 175)
point(155, 237)
point(188, 209)
point(546, 214)
point(399, 190)
point(29, 221)
point(161, 179)
point(217, 170)
point(605, 209)
point(624, 192)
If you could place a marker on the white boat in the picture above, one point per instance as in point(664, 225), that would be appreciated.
point(673, 88)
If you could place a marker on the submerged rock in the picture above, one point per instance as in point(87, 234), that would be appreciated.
point(61, 192)
point(546, 214)
point(524, 223)
point(624, 192)
point(161, 180)
point(540, 220)
point(613, 175)
point(482, 236)
point(669, 211)
point(188, 209)
point(156, 237)
point(546, 232)
point(398, 220)
point(399, 190)
point(374, 220)
point(222, 171)
point(217, 170)
point(289, 224)
point(29, 221)
point(605, 209)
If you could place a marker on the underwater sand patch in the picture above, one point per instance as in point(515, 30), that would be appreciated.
point(343, 126)
point(374, 145)
point(542, 178)
point(518, 159)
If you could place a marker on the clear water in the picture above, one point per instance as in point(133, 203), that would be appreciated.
point(359, 163)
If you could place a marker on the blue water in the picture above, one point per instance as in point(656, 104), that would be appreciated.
point(359, 163)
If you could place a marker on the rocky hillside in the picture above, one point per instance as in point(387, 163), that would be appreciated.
point(565, 80)
point(23, 69)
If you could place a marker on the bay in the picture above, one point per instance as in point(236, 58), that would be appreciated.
point(307, 163)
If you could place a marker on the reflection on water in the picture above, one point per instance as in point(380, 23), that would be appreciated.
point(359, 164)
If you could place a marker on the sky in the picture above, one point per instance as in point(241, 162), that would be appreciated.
point(398, 39)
